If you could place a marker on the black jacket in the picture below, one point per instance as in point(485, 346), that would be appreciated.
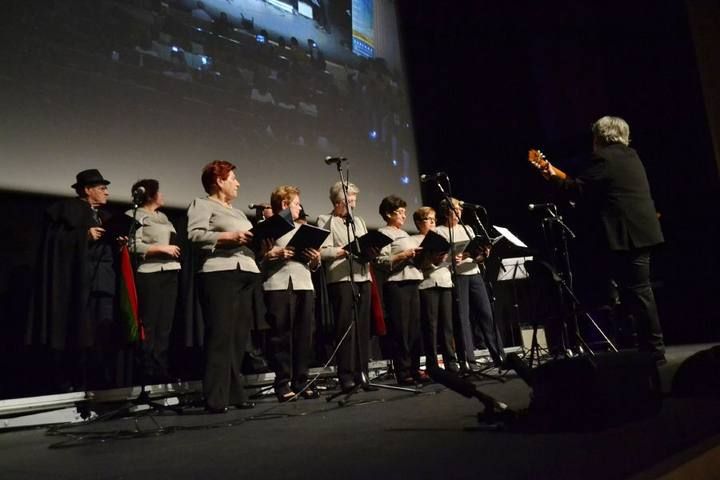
point(70, 268)
point(615, 189)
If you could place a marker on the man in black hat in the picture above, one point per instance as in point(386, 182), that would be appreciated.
point(73, 299)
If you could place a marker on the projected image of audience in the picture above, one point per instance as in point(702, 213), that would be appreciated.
point(280, 75)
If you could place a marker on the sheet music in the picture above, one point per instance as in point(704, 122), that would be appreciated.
point(513, 269)
point(510, 236)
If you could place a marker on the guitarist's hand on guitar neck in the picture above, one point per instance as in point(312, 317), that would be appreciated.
point(538, 160)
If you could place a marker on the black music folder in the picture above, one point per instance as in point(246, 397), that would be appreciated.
point(477, 244)
point(308, 236)
point(369, 241)
point(435, 243)
point(274, 227)
point(119, 226)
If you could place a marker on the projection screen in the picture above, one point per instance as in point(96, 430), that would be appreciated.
point(157, 89)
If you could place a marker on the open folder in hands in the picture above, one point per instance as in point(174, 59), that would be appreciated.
point(308, 236)
point(274, 227)
point(374, 240)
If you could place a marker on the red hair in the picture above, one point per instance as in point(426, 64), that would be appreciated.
point(217, 169)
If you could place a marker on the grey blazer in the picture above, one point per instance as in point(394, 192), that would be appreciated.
point(338, 269)
point(279, 273)
point(467, 266)
point(399, 271)
point(207, 219)
point(434, 275)
point(154, 229)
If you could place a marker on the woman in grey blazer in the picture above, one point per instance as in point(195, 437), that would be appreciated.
point(157, 264)
point(290, 303)
point(227, 278)
point(353, 353)
point(401, 297)
point(436, 302)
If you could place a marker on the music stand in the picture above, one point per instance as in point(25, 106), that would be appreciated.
point(556, 234)
point(513, 269)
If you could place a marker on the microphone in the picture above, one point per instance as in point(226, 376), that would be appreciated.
point(259, 206)
point(536, 206)
point(138, 192)
point(471, 206)
point(426, 178)
point(334, 160)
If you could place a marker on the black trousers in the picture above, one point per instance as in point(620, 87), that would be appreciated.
point(402, 302)
point(226, 299)
point(291, 314)
point(157, 295)
point(473, 298)
point(436, 324)
point(353, 353)
point(631, 271)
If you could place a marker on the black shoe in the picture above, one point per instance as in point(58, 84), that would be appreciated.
point(369, 388)
point(473, 367)
point(500, 362)
point(310, 393)
point(406, 382)
point(347, 386)
point(245, 405)
point(659, 357)
point(422, 377)
point(452, 367)
point(285, 394)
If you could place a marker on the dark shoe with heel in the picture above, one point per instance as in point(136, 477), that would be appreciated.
point(347, 386)
point(284, 394)
point(310, 393)
point(422, 377)
point(452, 367)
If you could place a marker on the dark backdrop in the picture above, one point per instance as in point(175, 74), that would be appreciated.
point(492, 79)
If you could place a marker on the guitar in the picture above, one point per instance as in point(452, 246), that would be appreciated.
point(538, 160)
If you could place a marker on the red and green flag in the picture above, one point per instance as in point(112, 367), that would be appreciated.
point(128, 299)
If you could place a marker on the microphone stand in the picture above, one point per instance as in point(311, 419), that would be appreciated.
point(565, 280)
point(447, 199)
point(489, 288)
point(350, 228)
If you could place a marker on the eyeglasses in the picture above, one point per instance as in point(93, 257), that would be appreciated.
point(428, 219)
point(399, 211)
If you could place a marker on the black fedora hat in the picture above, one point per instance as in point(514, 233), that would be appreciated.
point(89, 178)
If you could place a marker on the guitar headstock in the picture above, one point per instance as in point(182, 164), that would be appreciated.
point(537, 159)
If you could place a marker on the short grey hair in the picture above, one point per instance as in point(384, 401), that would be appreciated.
point(336, 192)
point(608, 130)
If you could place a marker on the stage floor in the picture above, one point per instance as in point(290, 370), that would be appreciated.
point(384, 434)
